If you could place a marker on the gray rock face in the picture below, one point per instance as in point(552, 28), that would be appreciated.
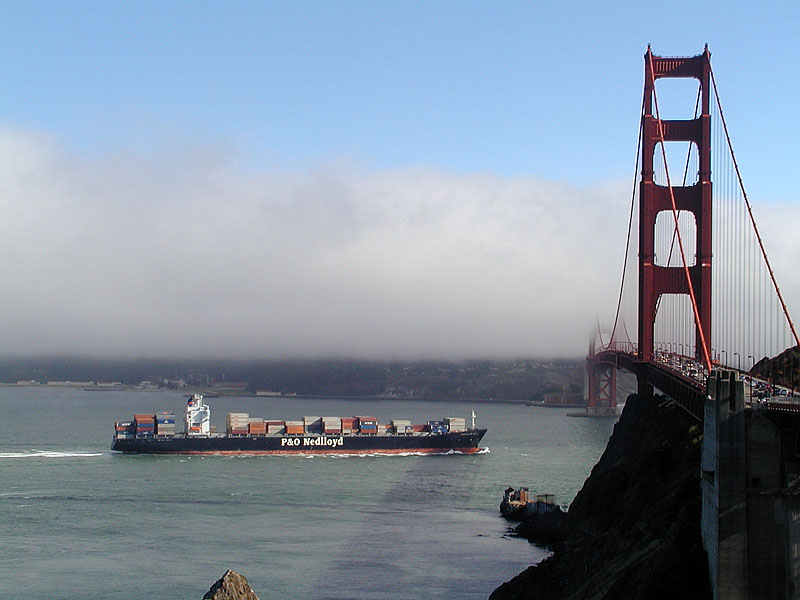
point(232, 586)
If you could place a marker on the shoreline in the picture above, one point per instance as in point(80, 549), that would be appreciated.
point(217, 393)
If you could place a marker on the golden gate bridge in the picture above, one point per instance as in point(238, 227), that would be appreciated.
point(706, 295)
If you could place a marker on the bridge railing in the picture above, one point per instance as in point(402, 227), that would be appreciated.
point(621, 347)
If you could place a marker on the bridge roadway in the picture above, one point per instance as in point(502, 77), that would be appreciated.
point(688, 392)
point(684, 381)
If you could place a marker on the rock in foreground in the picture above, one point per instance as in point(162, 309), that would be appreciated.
point(232, 586)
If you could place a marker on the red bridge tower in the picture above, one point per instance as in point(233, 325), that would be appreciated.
point(655, 280)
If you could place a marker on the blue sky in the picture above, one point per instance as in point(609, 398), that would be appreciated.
point(156, 100)
point(520, 88)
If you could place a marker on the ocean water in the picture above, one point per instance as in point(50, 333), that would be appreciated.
point(77, 521)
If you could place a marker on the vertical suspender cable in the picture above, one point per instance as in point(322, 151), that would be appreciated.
point(750, 213)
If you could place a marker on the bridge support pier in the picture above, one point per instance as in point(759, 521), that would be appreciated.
point(601, 385)
point(724, 517)
point(750, 521)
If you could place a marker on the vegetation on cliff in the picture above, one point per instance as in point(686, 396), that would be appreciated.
point(783, 369)
point(633, 531)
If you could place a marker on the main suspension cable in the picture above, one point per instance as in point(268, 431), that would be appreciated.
point(630, 225)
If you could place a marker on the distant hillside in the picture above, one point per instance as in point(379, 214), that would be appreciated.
point(519, 380)
point(783, 370)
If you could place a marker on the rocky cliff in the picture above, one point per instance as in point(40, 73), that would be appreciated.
point(633, 531)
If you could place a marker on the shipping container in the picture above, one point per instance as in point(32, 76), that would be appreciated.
point(236, 423)
point(331, 425)
point(455, 424)
point(257, 428)
point(366, 421)
point(295, 428)
point(368, 429)
point(312, 424)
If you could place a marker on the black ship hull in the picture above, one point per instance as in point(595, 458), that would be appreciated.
point(465, 442)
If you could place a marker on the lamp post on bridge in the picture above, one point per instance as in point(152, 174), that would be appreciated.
point(725, 352)
point(750, 374)
point(738, 361)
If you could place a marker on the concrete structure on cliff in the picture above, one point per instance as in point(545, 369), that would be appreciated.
point(751, 495)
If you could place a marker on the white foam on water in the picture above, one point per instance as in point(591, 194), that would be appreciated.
point(48, 454)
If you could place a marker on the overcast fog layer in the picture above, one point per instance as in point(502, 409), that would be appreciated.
point(188, 254)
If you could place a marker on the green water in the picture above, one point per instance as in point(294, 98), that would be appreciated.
point(77, 521)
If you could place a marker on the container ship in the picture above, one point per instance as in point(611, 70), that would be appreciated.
point(155, 434)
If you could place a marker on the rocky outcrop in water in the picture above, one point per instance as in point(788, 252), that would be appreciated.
point(232, 586)
point(633, 531)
